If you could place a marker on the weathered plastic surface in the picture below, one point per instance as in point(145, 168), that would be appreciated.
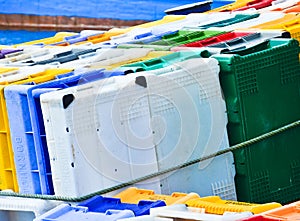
point(24, 209)
point(78, 170)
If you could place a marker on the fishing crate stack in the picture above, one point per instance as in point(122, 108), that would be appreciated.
point(192, 117)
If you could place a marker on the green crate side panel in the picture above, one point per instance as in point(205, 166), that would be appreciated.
point(242, 79)
point(280, 68)
point(268, 172)
point(262, 92)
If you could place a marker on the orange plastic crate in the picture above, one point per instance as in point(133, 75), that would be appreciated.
point(295, 8)
point(215, 205)
point(289, 212)
point(290, 22)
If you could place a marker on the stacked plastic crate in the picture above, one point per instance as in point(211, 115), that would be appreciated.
point(89, 111)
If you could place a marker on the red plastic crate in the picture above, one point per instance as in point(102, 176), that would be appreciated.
point(257, 4)
point(217, 39)
point(260, 218)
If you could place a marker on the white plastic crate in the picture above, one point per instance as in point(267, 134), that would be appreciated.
point(113, 131)
point(85, 153)
point(24, 209)
point(32, 54)
point(104, 57)
point(27, 53)
point(279, 5)
point(194, 125)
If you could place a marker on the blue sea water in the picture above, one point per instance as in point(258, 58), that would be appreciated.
point(10, 37)
point(114, 9)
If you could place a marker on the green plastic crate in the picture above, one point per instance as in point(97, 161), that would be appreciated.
point(261, 87)
point(166, 60)
point(186, 36)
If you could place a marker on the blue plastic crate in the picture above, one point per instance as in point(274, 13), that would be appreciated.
point(28, 132)
point(100, 208)
point(220, 3)
point(66, 56)
point(82, 36)
point(102, 204)
point(197, 7)
point(66, 212)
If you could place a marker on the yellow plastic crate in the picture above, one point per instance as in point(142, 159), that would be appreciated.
point(230, 7)
point(134, 195)
point(115, 31)
point(150, 55)
point(4, 71)
point(290, 22)
point(8, 178)
point(58, 37)
point(215, 205)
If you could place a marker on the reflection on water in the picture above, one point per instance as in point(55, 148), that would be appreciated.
point(14, 37)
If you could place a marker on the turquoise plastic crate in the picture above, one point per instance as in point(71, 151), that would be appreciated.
point(164, 61)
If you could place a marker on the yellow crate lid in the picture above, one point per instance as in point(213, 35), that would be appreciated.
point(290, 22)
point(134, 195)
point(7, 70)
point(106, 36)
point(164, 20)
point(58, 37)
point(287, 20)
point(215, 205)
